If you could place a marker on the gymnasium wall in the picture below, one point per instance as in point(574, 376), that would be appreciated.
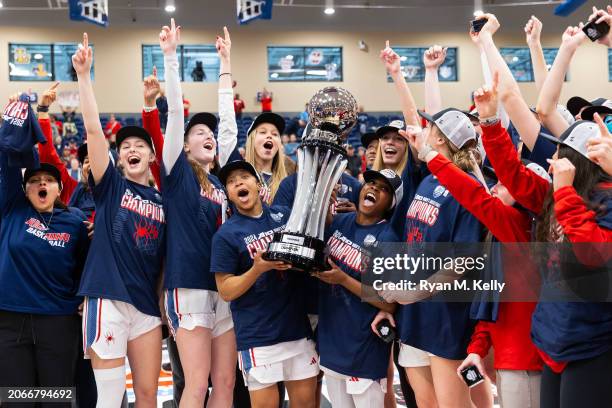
point(118, 66)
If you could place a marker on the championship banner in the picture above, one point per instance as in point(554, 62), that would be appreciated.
point(95, 11)
point(249, 10)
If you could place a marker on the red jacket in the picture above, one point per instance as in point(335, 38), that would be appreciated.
point(578, 223)
point(510, 334)
point(150, 122)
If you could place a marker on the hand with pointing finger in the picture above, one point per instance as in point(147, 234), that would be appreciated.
point(485, 98)
point(169, 38)
point(224, 45)
point(391, 60)
point(83, 58)
point(533, 31)
point(49, 96)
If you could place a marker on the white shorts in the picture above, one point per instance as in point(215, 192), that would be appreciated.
point(354, 392)
point(298, 367)
point(413, 357)
point(190, 308)
point(108, 326)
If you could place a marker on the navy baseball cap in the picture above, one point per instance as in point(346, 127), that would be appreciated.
point(133, 131)
point(43, 168)
point(226, 170)
point(268, 117)
point(368, 138)
point(391, 178)
point(601, 106)
point(202, 118)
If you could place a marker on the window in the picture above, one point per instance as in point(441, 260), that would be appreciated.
point(152, 56)
point(414, 70)
point(42, 62)
point(519, 61)
point(30, 62)
point(305, 64)
point(198, 63)
point(62, 61)
point(609, 64)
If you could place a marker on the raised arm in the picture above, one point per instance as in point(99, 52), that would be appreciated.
point(169, 38)
point(150, 121)
point(47, 151)
point(572, 38)
point(97, 149)
point(533, 31)
point(525, 186)
point(512, 100)
point(433, 58)
point(227, 137)
point(393, 66)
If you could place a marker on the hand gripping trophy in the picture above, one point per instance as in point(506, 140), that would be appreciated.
point(321, 160)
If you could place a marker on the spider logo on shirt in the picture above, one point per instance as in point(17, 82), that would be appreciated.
point(145, 234)
point(110, 338)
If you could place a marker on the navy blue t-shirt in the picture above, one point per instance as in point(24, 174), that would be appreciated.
point(273, 310)
point(128, 246)
point(345, 341)
point(82, 198)
point(542, 150)
point(441, 328)
point(350, 188)
point(42, 254)
point(193, 218)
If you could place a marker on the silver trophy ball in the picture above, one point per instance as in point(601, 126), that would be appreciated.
point(321, 161)
point(334, 110)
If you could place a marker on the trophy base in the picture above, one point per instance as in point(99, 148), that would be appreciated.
point(304, 253)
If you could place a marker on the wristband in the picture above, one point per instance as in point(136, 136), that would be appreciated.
point(225, 73)
point(489, 121)
point(42, 108)
point(424, 152)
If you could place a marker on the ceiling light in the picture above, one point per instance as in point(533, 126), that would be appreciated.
point(170, 8)
point(478, 13)
point(329, 11)
point(1, 5)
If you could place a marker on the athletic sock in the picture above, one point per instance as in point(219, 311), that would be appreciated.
point(110, 383)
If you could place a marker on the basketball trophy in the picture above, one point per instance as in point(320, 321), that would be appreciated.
point(321, 160)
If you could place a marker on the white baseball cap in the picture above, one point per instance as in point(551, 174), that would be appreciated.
point(454, 124)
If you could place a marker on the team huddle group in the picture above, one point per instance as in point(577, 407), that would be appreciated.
point(187, 252)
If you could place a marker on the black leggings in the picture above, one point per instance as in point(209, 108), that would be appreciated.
point(583, 383)
point(38, 350)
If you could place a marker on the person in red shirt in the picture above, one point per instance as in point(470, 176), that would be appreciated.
point(111, 128)
point(516, 360)
point(186, 106)
point(266, 101)
point(574, 339)
point(238, 106)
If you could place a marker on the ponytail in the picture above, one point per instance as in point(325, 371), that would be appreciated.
point(467, 157)
point(201, 175)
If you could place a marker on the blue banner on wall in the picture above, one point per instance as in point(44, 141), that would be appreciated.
point(249, 10)
point(95, 11)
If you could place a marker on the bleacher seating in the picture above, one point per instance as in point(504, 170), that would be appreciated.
point(375, 120)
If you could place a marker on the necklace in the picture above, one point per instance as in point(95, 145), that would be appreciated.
point(46, 224)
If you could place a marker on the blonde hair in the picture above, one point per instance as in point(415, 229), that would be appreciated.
point(380, 165)
point(279, 171)
point(464, 157)
point(201, 175)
